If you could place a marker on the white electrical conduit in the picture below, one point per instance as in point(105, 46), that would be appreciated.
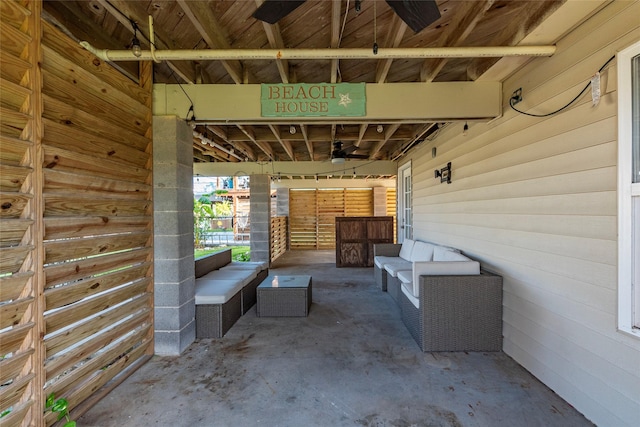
point(206, 140)
point(338, 53)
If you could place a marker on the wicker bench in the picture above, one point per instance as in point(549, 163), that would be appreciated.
point(225, 290)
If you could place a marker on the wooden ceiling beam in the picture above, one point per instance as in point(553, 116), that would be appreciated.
point(120, 11)
point(202, 18)
point(303, 131)
point(388, 133)
point(361, 132)
point(336, 8)
point(275, 41)
point(221, 133)
point(462, 25)
point(264, 146)
point(285, 144)
point(534, 14)
point(392, 39)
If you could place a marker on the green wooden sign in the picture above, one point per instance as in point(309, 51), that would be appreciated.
point(313, 100)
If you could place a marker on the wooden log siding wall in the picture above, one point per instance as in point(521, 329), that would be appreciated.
point(312, 214)
point(82, 191)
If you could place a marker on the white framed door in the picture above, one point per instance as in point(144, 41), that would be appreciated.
point(405, 217)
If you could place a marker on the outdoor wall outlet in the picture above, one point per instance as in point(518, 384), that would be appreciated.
point(516, 97)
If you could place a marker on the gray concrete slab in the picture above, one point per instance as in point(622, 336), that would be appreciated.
point(351, 362)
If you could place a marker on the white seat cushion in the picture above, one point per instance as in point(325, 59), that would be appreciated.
point(406, 249)
point(407, 292)
point(241, 276)
point(395, 267)
point(215, 291)
point(422, 251)
point(405, 276)
point(381, 260)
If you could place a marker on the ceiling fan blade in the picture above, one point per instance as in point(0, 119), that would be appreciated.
point(417, 14)
point(357, 156)
point(349, 149)
point(272, 11)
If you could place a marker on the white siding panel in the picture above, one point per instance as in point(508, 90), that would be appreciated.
point(535, 200)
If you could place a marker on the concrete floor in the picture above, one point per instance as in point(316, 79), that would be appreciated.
point(350, 363)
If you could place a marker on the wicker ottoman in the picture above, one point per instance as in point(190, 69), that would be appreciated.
point(284, 296)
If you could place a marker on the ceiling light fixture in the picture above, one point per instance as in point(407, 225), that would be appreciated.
point(380, 129)
point(292, 129)
point(316, 177)
point(135, 43)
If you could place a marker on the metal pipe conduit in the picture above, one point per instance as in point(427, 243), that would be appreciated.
point(311, 54)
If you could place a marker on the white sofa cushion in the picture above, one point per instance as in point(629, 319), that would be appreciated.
point(381, 260)
point(442, 268)
point(406, 249)
point(394, 267)
point(422, 251)
point(215, 291)
point(243, 277)
point(406, 290)
point(443, 253)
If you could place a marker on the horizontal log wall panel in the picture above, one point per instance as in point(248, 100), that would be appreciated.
point(11, 313)
point(11, 340)
point(13, 95)
point(99, 360)
point(12, 177)
point(12, 122)
point(102, 377)
point(69, 49)
point(11, 259)
point(64, 228)
point(75, 270)
point(65, 250)
point(76, 312)
point(62, 91)
point(72, 204)
point(97, 186)
point(13, 150)
point(10, 367)
point(87, 83)
point(13, 13)
point(13, 231)
point(12, 286)
point(72, 138)
point(55, 157)
point(12, 204)
point(11, 394)
point(13, 40)
point(58, 343)
point(68, 294)
point(13, 68)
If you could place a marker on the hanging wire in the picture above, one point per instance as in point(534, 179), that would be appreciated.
point(191, 109)
point(375, 29)
point(512, 99)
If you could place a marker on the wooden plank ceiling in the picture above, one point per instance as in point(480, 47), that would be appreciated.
point(189, 24)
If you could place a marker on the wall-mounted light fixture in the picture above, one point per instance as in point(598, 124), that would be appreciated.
point(444, 174)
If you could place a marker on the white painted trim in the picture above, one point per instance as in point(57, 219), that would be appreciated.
point(628, 307)
point(400, 197)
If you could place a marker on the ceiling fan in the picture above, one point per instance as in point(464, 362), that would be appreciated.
point(339, 154)
point(417, 14)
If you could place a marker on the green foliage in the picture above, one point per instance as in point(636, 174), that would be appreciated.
point(61, 406)
point(222, 209)
point(243, 256)
point(202, 214)
point(6, 412)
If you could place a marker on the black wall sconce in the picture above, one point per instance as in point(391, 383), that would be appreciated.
point(444, 174)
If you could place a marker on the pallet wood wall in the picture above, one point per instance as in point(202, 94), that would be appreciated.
point(278, 236)
point(76, 183)
point(312, 214)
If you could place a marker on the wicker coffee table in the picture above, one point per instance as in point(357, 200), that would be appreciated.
point(284, 296)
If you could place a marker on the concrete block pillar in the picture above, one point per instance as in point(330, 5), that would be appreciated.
point(282, 202)
point(174, 271)
point(260, 217)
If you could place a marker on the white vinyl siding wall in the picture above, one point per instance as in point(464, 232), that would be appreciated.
point(535, 200)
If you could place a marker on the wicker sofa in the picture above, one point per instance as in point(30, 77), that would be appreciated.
point(224, 291)
point(447, 303)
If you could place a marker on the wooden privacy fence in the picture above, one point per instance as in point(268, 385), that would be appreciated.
point(279, 234)
point(76, 164)
point(312, 214)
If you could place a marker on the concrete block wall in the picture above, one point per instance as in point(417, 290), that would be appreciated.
point(174, 297)
point(260, 217)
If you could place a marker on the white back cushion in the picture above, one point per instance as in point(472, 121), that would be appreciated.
point(422, 251)
point(442, 253)
point(442, 268)
point(406, 249)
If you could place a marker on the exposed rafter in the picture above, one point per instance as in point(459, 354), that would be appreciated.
point(285, 144)
point(392, 39)
point(336, 7)
point(388, 133)
point(264, 146)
